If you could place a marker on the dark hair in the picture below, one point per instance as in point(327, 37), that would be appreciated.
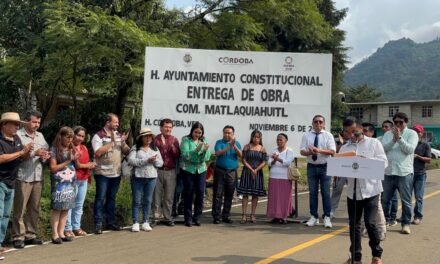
point(77, 129)
point(401, 115)
point(31, 113)
point(196, 125)
point(140, 144)
point(389, 122)
point(165, 121)
point(57, 142)
point(316, 116)
point(349, 121)
point(368, 126)
point(284, 135)
point(254, 133)
point(108, 117)
point(231, 127)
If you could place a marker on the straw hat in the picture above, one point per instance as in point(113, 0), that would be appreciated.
point(145, 131)
point(11, 117)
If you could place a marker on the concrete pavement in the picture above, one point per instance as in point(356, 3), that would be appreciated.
point(248, 243)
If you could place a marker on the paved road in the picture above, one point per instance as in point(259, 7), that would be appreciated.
point(249, 243)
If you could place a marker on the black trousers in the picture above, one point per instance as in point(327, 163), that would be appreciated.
point(367, 207)
point(224, 187)
point(193, 190)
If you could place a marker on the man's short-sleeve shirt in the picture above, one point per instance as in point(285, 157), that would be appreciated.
point(229, 160)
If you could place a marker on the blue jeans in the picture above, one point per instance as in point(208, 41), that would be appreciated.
point(317, 175)
point(6, 200)
point(419, 190)
point(394, 206)
point(105, 198)
point(193, 184)
point(142, 190)
point(74, 215)
point(404, 185)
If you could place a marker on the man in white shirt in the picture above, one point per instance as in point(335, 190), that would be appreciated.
point(317, 145)
point(367, 193)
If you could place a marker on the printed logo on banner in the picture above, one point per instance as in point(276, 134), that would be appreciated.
point(235, 61)
point(288, 63)
point(355, 166)
point(187, 58)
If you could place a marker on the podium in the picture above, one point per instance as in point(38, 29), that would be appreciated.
point(358, 168)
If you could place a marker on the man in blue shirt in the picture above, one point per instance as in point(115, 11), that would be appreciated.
point(227, 150)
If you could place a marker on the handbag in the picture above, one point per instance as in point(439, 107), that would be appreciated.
point(293, 173)
point(127, 169)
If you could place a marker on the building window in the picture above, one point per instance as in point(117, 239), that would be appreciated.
point(357, 112)
point(427, 111)
point(392, 110)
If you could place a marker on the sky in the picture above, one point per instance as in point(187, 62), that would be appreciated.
point(370, 24)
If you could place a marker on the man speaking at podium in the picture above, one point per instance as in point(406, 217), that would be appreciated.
point(367, 192)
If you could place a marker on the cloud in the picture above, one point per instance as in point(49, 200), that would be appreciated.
point(370, 24)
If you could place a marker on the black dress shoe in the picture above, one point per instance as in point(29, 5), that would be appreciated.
point(33, 241)
point(67, 239)
point(283, 221)
point(114, 227)
point(57, 241)
point(18, 243)
point(227, 220)
point(188, 223)
point(216, 221)
point(275, 221)
point(197, 222)
point(98, 230)
point(169, 223)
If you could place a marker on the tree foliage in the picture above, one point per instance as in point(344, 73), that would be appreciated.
point(89, 49)
point(362, 93)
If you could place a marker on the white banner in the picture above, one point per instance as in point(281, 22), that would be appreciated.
point(268, 91)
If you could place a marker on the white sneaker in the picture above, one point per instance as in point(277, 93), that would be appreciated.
point(146, 227)
point(406, 230)
point(135, 227)
point(327, 222)
point(312, 221)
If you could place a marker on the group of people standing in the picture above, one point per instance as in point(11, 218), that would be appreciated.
point(405, 156)
point(157, 161)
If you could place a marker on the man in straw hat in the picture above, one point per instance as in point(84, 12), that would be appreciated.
point(12, 152)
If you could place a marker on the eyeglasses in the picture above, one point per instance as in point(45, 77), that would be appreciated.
point(318, 122)
point(398, 122)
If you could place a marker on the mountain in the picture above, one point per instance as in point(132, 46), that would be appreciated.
point(400, 70)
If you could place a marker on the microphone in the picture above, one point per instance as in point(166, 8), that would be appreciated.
point(358, 135)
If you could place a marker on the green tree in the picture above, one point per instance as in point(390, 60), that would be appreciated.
point(83, 52)
point(361, 93)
